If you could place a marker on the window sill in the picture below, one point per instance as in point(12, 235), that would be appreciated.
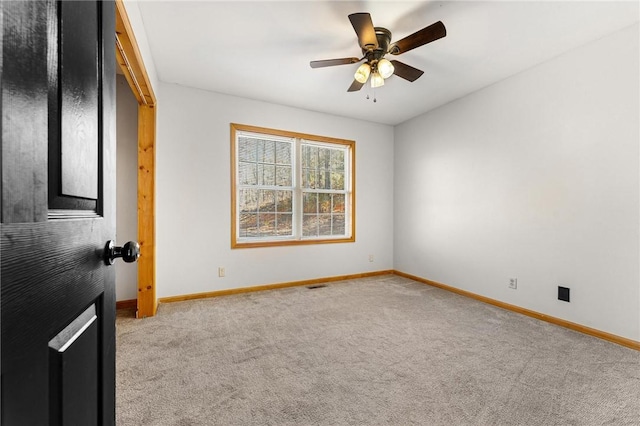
point(256, 244)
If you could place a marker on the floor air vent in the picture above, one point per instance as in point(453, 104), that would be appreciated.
point(313, 287)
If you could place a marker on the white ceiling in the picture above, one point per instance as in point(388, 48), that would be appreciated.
point(261, 50)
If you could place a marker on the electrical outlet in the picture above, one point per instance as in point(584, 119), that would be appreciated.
point(513, 283)
point(563, 293)
point(221, 271)
point(370, 258)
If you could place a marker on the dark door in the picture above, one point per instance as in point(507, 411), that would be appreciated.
point(58, 157)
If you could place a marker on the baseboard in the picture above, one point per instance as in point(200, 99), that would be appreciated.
point(623, 341)
point(230, 291)
point(127, 304)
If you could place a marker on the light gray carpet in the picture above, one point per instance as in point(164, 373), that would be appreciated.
point(375, 351)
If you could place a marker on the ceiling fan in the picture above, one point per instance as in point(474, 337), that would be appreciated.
point(375, 44)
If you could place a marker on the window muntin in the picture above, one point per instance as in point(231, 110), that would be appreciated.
point(290, 188)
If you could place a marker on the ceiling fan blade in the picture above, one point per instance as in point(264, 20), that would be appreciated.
point(355, 86)
point(363, 26)
point(405, 71)
point(419, 38)
point(332, 62)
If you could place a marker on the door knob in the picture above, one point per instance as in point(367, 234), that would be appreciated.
point(130, 252)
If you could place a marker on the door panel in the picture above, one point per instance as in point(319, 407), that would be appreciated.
point(73, 62)
point(73, 373)
point(57, 295)
point(78, 95)
point(24, 189)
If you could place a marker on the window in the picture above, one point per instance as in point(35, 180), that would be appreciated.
point(290, 188)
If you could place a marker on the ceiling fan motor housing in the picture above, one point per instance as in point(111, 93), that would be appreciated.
point(383, 36)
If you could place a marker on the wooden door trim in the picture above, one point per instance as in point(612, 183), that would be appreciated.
point(130, 60)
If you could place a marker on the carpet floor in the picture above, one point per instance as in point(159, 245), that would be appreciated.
point(376, 351)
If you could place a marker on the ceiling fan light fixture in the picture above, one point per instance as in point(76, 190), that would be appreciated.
point(362, 73)
point(385, 68)
point(375, 43)
point(376, 80)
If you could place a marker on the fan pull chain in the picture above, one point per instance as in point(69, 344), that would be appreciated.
point(374, 96)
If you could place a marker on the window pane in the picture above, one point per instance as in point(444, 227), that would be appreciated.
point(324, 224)
point(283, 176)
point(324, 203)
point(266, 174)
point(310, 203)
point(247, 149)
point(324, 179)
point(337, 159)
point(285, 202)
point(309, 179)
point(337, 221)
point(323, 168)
point(338, 203)
point(337, 180)
point(266, 151)
point(310, 225)
point(267, 224)
point(324, 158)
point(267, 201)
point(283, 153)
point(248, 225)
point(248, 201)
point(247, 174)
point(309, 156)
point(284, 224)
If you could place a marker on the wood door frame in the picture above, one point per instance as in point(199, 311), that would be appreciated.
point(130, 60)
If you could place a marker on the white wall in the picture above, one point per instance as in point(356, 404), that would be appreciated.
point(126, 186)
point(535, 177)
point(193, 196)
